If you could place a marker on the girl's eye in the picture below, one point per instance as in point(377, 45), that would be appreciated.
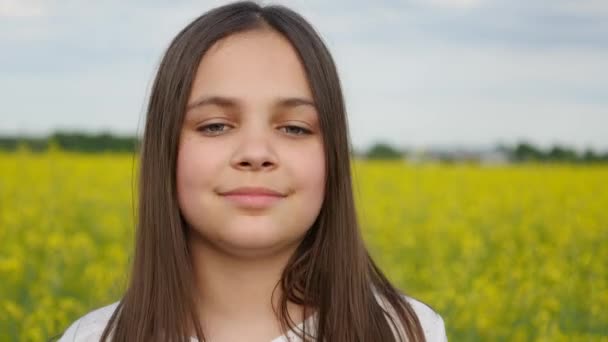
point(213, 128)
point(297, 130)
point(216, 128)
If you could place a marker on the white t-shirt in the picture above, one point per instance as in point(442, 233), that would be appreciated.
point(90, 326)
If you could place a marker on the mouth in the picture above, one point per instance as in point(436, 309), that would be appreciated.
point(253, 197)
point(253, 201)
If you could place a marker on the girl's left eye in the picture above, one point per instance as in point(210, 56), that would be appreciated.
point(296, 130)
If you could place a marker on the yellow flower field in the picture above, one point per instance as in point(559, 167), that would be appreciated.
point(504, 253)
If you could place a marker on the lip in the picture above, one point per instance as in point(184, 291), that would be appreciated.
point(253, 191)
point(253, 197)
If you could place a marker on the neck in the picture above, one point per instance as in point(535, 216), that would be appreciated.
point(238, 289)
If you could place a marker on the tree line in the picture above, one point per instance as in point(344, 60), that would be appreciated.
point(108, 142)
point(519, 152)
point(75, 142)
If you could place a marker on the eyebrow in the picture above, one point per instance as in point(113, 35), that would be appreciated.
point(230, 102)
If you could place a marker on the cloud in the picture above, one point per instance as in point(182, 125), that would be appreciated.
point(584, 7)
point(21, 8)
point(456, 4)
point(413, 71)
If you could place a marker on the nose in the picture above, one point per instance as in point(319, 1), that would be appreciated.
point(255, 153)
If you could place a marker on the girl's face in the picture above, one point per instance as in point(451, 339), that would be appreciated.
point(250, 122)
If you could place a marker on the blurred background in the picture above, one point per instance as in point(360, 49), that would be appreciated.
point(480, 142)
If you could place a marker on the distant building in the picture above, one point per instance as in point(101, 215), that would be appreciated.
point(458, 155)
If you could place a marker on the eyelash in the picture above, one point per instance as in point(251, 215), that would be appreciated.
point(304, 131)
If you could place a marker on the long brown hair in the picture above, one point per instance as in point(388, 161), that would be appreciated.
point(331, 269)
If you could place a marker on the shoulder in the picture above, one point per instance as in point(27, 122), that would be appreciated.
point(90, 326)
point(432, 323)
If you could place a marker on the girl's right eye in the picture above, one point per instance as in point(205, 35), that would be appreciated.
point(212, 129)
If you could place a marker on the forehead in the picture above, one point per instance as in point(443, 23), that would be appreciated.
point(252, 66)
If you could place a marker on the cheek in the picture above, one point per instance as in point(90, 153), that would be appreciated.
point(310, 173)
point(197, 165)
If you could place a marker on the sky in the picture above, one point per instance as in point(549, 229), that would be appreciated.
point(415, 73)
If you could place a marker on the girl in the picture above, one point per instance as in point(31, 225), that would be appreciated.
point(247, 228)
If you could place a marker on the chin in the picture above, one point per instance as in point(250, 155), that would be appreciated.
point(252, 235)
point(256, 239)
